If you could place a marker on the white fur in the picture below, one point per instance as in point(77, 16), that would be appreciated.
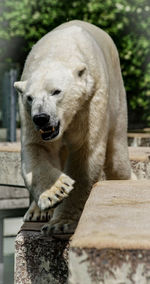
point(92, 113)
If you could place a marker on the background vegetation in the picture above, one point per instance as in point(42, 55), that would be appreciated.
point(23, 22)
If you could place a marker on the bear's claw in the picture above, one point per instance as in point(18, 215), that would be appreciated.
point(35, 214)
point(59, 191)
point(59, 227)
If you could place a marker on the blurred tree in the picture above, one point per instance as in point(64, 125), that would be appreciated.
point(23, 22)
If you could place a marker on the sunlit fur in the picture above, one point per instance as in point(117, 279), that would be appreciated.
point(91, 109)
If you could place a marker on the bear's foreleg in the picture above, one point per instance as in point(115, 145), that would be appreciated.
point(85, 169)
point(47, 184)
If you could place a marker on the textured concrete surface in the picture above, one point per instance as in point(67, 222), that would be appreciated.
point(40, 260)
point(116, 215)
point(109, 266)
point(140, 161)
point(111, 244)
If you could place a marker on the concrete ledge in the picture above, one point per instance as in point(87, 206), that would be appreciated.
point(139, 139)
point(10, 164)
point(111, 244)
point(140, 161)
point(38, 259)
point(139, 154)
point(115, 212)
point(112, 241)
point(12, 197)
point(13, 192)
point(10, 147)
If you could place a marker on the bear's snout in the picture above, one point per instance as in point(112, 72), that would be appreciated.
point(41, 119)
point(47, 130)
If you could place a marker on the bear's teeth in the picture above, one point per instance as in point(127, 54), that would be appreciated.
point(46, 131)
point(41, 131)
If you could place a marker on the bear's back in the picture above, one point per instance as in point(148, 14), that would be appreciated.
point(77, 30)
point(69, 41)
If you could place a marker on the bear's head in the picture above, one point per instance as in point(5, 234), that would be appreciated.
point(53, 94)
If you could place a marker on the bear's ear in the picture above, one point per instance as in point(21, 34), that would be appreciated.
point(20, 86)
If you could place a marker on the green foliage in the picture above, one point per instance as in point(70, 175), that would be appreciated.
point(23, 22)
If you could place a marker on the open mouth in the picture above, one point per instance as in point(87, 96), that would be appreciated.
point(49, 132)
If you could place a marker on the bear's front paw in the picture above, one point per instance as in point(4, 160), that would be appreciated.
point(59, 191)
point(34, 214)
point(58, 227)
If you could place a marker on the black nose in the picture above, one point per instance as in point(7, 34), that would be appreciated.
point(41, 119)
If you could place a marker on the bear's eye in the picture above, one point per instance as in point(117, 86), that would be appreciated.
point(29, 99)
point(56, 92)
point(81, 72)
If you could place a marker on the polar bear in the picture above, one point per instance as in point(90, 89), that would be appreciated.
point(72, 93)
